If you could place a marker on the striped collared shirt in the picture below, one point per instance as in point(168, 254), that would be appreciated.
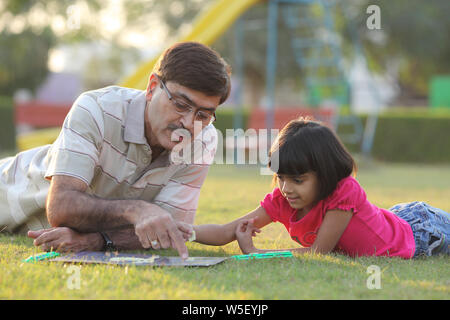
point(102, 142)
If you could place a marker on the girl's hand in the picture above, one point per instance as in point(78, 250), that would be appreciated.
point(244, 233)
point(186, 229)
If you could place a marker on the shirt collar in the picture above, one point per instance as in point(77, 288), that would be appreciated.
point(134, 124)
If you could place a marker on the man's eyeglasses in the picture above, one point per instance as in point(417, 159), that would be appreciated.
point(183, 108)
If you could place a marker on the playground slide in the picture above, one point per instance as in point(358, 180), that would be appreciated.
point(206, 28)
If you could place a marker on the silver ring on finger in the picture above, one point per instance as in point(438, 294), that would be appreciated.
point(155, 244)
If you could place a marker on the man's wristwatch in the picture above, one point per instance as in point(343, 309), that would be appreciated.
point(109, 245)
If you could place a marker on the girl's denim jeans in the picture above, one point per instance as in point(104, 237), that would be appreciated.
point(430, 226)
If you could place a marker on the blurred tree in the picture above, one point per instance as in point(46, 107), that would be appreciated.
point(178, 16)
point(24, 64)
point(414, 37)
point(27, 34)
point(30, 29)
point(413, 34)
point(254, 49)
point(175, 14)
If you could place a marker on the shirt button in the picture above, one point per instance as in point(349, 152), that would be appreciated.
point(146, 148)
point(145, 160)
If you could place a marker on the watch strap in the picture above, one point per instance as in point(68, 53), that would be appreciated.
point(109, 245)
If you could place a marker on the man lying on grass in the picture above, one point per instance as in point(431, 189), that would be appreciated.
point(109, 180)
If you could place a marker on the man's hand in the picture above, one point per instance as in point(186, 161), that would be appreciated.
point(159, 230)
point(68, 205)
point(64, 239)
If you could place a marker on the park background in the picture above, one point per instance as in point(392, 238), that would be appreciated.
point(387, 86)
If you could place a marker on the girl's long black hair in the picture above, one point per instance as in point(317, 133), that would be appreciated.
point(305, 145)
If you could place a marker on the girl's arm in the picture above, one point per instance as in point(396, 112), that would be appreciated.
point(333, 226)
point(218, 235)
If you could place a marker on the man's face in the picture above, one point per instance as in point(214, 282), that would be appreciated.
point(162, 118)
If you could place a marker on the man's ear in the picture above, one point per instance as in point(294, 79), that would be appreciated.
point(153, 82)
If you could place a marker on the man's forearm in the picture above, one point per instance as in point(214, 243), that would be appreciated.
point(87, 213)
point(68, 205)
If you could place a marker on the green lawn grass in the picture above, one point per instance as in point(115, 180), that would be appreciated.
point(228, 193)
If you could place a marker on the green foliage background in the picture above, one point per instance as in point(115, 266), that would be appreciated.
point(401, 136)
point(7, 128)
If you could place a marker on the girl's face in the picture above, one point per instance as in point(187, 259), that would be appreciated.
point(300, 191)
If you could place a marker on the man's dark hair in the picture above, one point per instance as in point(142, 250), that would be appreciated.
point(305, 145)
point(197, 67)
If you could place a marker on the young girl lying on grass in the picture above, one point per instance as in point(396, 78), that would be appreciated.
point(324, 208)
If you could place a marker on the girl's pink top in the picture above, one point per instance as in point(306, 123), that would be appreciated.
point(371, 231)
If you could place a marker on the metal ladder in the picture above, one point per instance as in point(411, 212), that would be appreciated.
point(317, 51)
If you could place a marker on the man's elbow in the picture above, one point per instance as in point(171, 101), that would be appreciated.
point(55, 215)
point(55, 219)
